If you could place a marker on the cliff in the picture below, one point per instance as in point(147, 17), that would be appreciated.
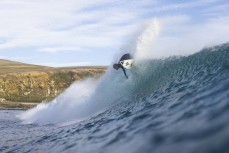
point(29, 83)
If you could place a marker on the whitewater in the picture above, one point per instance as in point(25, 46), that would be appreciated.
point(170, 104)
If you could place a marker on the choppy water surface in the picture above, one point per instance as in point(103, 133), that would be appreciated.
point(174, 105)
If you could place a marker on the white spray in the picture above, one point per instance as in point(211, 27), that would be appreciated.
point(145, 40)
point(86, 98)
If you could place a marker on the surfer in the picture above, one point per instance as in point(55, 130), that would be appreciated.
point(125, 63)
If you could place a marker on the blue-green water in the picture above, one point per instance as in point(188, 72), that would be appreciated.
point(174, 105)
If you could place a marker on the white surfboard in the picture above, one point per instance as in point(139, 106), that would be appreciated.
point(127, 63)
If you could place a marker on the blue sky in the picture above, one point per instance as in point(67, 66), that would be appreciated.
point(91, 32)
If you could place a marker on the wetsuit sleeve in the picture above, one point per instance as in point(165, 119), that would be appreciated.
point(124, 71)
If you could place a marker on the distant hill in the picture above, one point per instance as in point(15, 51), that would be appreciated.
point(7, 66)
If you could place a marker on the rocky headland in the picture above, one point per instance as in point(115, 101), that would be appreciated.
point(24, 86)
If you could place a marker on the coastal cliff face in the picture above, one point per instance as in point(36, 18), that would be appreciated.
point(38, 86)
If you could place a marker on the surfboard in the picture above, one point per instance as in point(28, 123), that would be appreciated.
point(127, 64)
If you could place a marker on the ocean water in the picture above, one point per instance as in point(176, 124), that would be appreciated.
point(172, 105)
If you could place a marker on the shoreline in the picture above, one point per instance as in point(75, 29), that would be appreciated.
point(9, 105)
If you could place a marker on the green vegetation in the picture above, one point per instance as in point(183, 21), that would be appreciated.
point(21, 82)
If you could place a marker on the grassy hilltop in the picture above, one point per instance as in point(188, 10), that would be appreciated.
point(20, 82)
point(7, 66)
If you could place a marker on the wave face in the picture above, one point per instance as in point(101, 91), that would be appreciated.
point(178, 104)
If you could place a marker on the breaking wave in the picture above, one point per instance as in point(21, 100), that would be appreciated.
point(87, 98)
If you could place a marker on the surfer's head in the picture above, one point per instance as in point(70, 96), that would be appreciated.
point(116, 66)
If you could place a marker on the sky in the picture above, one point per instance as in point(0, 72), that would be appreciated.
point(90, 32)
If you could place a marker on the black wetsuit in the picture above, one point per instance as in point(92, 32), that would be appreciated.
point(124, 57)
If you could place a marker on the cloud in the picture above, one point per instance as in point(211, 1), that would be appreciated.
point(180, 37)
point(58, 49)
point(48, 26)
point(42, 23)
point(217, 10)
point(66, 64)
point(19, 58)
point(2, 57)
point(161, 7)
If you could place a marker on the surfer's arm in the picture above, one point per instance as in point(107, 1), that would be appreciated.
point(124, 71)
